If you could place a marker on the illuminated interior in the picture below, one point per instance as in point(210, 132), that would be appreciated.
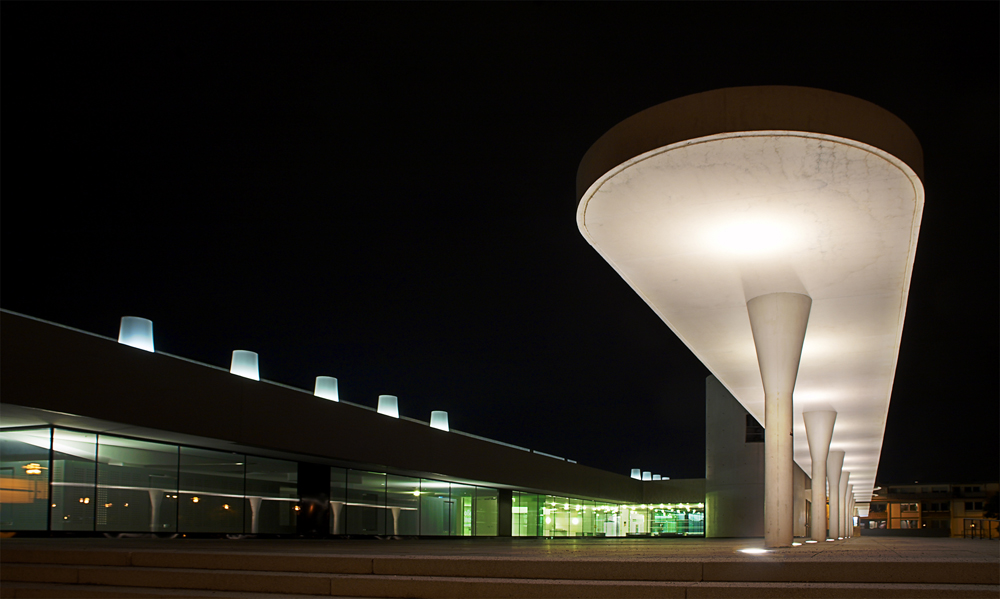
point(114, 484)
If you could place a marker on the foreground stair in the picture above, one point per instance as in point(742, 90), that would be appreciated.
point(125, 573)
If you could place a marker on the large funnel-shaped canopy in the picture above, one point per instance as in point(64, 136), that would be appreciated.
point(708, 201)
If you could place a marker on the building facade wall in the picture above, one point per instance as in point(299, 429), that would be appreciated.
point(734, 468)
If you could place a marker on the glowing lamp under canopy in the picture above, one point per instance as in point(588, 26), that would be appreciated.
point(245, 364)
point(136, 332)
point(646, 475)
point(326, 387)
point(388, 405)
point(656, 477)
point(439, 420)
point(637, 474)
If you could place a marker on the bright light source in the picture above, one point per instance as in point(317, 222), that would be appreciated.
point(751, 237)
point(796, 544)
point(136, 332)
point(754, 551)
point(416, 492)
point(647, 475)
point(388, 405)
point(439, 420)
point(195, 500)
point(812, 541)
point(245, 364)
point(225, 506)
point(575, 521)
point(656, 477)
point(326, 387)
point(637, 473)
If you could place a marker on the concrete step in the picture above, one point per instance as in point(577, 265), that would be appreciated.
point(44, 580)
point(718, 570)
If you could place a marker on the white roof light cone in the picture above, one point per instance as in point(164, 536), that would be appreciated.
point(326, 387)
point(136, 332)
point(656, 477)
point(388, 405)
point(245, 364)
point(439, 420)
point(647, 475)
point(636, 474)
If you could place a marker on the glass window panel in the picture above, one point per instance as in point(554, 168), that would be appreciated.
point(211, 491)
point(272, 494)
point(533, 514)
point(74, 471)
point(133, 480)
point(338, 498)
point(557, 516)
point(607, 522)
point(402, 498)
point(365, 503)
point(516, 513)
point(464, 522)
point(487, 512)
point(436, 511)
point(576, 509)
point(588, 518)
point(24, 479)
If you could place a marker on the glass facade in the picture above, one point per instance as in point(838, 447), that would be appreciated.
point(211, 497)
point(107, 483)
point(74, 474)
point(136, 486)
point(24, 479)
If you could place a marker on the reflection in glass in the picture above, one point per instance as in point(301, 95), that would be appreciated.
point(133, 481)
point(211, 491)
point(527, 514)
point(272, 494)
point(486, 512)
point(338, 499)
point(24, 479)
point(436, 511)
point(402, 497)
point(74, 470)
point(365, 503)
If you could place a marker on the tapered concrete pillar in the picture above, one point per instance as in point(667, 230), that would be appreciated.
point(843, 504)
point(778, 322)
point(850, 510)
point(819, 431)
point(834, 464)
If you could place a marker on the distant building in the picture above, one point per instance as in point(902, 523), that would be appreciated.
point(953, 510)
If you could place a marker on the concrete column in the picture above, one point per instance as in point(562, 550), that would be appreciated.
point(834, 464)
point(778, 322)
point(850, 510)
point(819, 431)
point(843, 502)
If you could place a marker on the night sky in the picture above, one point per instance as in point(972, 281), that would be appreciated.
point(385, 193)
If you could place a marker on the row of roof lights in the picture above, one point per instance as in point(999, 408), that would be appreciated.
point(138, 332)
point(639, 474)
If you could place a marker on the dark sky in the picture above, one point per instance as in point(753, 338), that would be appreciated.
point(385, 193)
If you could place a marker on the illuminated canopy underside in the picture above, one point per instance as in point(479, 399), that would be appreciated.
point(699, 227)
